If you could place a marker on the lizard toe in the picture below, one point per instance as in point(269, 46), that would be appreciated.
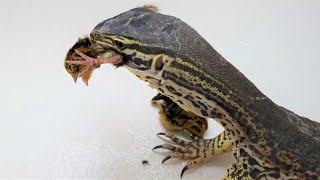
point(198, 151)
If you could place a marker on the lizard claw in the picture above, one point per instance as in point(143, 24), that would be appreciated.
point(199, 151)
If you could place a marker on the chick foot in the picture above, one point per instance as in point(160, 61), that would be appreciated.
point(93, 62)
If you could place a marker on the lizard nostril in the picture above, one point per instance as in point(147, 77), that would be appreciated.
point(159, 64)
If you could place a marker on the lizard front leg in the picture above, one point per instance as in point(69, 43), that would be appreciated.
point(173, 117)
point(200, 150)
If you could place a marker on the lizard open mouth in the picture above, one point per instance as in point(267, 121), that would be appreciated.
point(91, 63)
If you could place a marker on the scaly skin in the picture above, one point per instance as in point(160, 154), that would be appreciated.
point(270, 141)
point(173, 117)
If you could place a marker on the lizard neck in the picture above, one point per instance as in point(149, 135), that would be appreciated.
point(256, 124)
point(210, 97)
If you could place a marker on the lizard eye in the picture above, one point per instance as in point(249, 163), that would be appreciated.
point(120, 44)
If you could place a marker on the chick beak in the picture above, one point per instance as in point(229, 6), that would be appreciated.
point(87, 76)
point(75, 77)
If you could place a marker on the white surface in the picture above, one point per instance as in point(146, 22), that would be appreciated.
point(52, 128)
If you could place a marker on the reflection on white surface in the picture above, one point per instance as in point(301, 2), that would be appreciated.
point(52, 128)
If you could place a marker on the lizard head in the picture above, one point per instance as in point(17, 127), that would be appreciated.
point(144, 39)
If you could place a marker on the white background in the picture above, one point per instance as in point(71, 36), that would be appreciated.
point(50, 127)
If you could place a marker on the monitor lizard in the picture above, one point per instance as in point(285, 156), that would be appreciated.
point(267, 140)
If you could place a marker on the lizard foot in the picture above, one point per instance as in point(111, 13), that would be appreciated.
point(199, 150)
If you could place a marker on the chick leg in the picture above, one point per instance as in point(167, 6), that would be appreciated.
point(93, 62)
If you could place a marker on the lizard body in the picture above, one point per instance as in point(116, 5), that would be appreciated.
point(269, 141)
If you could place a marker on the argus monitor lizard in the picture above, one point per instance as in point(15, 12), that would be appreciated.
point(195, 82)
